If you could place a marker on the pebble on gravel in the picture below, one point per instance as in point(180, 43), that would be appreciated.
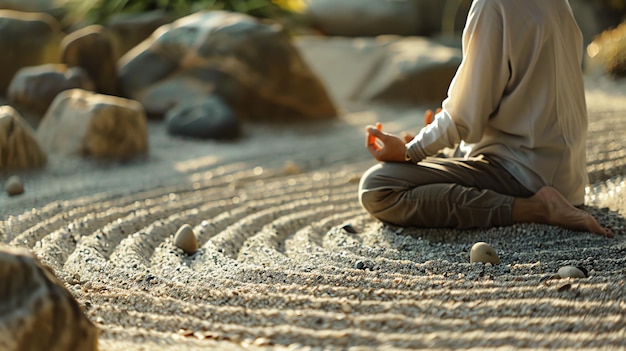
point(349, 228)
point(482, 252)
point(14, 186)
point(571, 272)
point(186, 240)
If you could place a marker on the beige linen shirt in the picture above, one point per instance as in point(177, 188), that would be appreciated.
point(518, 95)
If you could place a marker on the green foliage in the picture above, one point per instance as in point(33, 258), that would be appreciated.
point(99, 11)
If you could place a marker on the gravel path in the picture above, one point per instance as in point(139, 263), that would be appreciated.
point(280, 269)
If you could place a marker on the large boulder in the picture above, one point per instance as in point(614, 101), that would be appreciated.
point(26, 39)
point(92, 49)
point(251, 65)
point(36, 310)
point(412, 70)
point(33, 88)
point(19, 149)
point(84, 123)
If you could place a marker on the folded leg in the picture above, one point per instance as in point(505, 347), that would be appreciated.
point(441, 192)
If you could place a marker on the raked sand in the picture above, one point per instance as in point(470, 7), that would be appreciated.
point(276, 270)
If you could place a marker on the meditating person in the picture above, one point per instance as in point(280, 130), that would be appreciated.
point(517, 102)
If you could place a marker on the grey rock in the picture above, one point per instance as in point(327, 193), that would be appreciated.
point(38, 313)
point(206, 119)
point(571, 272)
point(253, 66)
point(19, 148)
point(84, 123)
point(34, 88)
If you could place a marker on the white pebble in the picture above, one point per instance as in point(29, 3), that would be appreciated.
point(186, 240)
point(14, 186)
point(482, 252)
point(571, 272)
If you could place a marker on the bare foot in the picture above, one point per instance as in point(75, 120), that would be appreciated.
point(558, 211)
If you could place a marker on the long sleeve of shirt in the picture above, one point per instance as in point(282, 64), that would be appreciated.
point(518, 95)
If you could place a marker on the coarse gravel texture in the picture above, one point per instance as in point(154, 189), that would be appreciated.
point(289, 260)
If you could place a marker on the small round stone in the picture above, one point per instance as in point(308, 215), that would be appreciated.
point(14, 186)
point(571, 272)
point(482, 252)
point(186, 240)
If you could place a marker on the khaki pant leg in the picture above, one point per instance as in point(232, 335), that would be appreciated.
point(440, 192)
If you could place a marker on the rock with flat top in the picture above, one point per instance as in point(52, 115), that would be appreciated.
point(83, 123)
point(36, 311)
point(34, 88)
point(26, 39)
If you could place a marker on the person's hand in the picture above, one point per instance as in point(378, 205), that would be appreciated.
point(429, 116)
point(391, 147)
